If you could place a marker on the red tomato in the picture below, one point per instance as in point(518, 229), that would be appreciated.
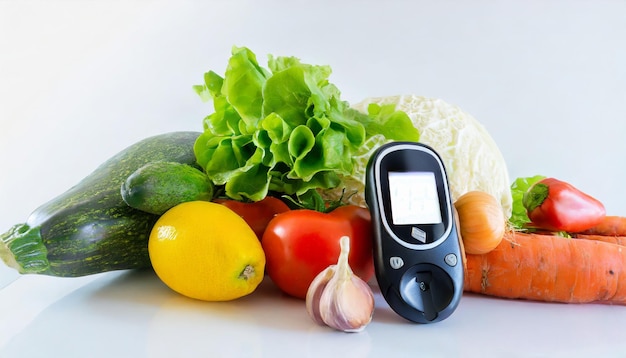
point(300, 244)
point(257, 214)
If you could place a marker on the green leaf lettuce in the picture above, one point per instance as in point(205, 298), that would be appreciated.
point(285, 129)
point(519, 218)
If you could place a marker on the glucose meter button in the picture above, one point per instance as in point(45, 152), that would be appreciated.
point(450, 259)
point(396, 262)
point(418, 234)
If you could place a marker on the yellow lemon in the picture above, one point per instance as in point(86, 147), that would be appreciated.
point(204, 250)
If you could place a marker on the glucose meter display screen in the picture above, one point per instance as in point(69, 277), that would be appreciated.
point(414, 199)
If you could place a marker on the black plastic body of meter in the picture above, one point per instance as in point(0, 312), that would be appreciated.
point(417, 250)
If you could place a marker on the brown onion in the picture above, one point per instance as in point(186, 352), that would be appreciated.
point(481, 222)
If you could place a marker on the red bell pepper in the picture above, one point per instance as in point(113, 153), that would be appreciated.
point(555, 205)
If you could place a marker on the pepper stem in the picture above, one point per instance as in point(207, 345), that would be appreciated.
point(535, 196)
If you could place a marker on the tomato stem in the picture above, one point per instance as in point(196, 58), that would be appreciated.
point(313, 200)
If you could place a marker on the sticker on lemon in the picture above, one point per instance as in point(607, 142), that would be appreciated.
point(205, 251)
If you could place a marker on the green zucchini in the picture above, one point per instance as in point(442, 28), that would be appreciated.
point(89, 229)
point(159, 186)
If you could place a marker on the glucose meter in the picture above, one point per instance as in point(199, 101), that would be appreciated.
point(417, 250)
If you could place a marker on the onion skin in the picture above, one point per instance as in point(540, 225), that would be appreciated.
point(481, 222)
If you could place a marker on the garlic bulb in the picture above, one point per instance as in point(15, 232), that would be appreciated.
point(338, 298)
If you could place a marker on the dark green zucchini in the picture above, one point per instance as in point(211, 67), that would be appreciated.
point(89, 229)
point(157, 187)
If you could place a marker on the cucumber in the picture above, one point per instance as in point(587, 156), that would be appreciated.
point(159, 186)
point(89, 229)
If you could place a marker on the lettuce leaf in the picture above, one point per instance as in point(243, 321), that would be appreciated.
point(519, 218)
point(285, 129)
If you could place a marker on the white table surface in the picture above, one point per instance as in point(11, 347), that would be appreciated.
point(79, 81)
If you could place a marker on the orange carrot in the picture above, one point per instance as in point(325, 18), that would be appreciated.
point(618, 240)
point(610, 226)
point(550, 268)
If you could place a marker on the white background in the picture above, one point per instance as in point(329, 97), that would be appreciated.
point(81, 80)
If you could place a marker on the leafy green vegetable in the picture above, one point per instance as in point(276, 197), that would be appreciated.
point(285, 129)
point(519, 218)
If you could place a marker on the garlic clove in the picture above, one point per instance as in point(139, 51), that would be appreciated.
point(315, 291)
point(347, 305)
point(340, 299)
